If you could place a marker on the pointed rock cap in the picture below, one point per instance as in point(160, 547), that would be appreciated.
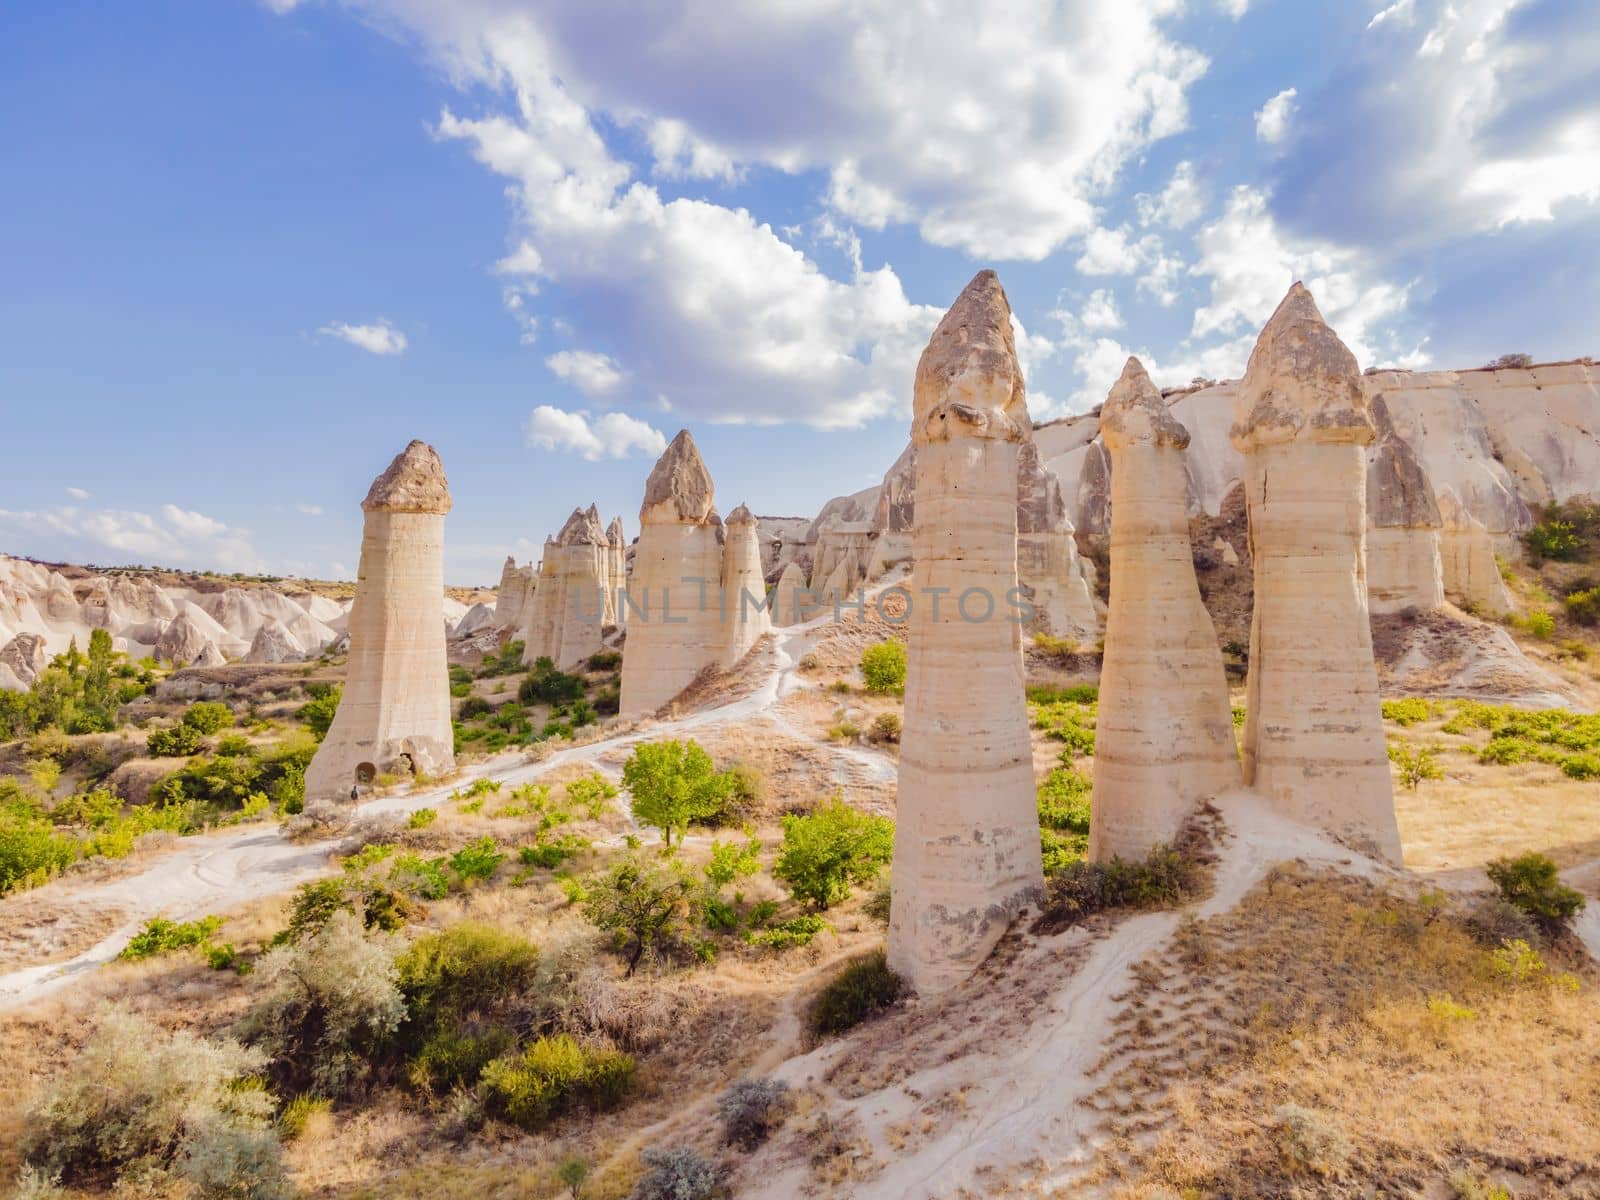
point(679, 489)
point(582, 529)
point(615, 535)
point(741, 516)
point(1301, 379)
point(969, 383)
point(414, 482)
point(1134, 413)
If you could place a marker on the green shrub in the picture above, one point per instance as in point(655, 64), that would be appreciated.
point(470, 967)
point(592, 793)
point(474, 706)
point(642, 903)
point(208, 716)
point(883, 668)
point(785, 935)
point(31, 851)
point(319, 711)
point(1581, 766)
point(1061, 649)
point(424, 878)
point(155, 1104)
point(1584, 606)
point(1531, 883)
point(1539, 624)
point(831, 848)
point(604, 660)
point(454, 1056)
point(325, 1006)
point(1064, 808)
point(507, 662)
point(546, 685)
point(422, 818)
point(177, 741)
point(1165, 878)
point(1554, 538)
point(160, 935)
point(315, 903)
point(477, 860)
point(1066, 715)
point(553, 1076)
point(864, 987)
point(1409, 711)
point(1415, 764)
point(673, 784)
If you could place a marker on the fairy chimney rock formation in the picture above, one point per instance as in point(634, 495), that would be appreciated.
point(1164, 737)
point(617, 540)
point(1313, 739)
point(395, 712)
point(791, 598)
point(743, 588)
point(513, 597)
point(573, 601)
point(1057, 579)
point(675, 625)
point(966, 848)
point(1403, 564)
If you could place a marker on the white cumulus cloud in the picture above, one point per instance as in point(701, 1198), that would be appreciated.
point(77, 493)
point(377, 338)
point(610, 435)
point(1272, 118)
point(592, 373)
point(173, 536)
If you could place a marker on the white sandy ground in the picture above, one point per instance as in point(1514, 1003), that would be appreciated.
point(220, 870)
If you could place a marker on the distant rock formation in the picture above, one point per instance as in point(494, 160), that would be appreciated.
point(617, 541)
point(395, 712)
point(1467, 560)
point(966, 854)
point(791, 598)
point(25, 657)
point(513, 597)
point(685, 613)
point(274, 643)
point(1313, 739)
point(1059, 582)
point(1403, 565)
point(744, 591)
point(573, 602)
point(1164, 736)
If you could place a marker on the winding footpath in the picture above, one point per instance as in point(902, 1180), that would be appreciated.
point(222, 870)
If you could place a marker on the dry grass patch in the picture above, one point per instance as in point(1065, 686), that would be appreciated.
point(1327, 1038)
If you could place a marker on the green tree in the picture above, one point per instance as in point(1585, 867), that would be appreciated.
point(1531, 882)
point(1415, 764)
point(642, 904)
point(318, 712)
point(883, 667)
point(673, 784)
point(831, 848)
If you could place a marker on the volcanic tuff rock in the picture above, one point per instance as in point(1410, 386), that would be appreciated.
point(966, 849)
point(1313, 739)
point(679, 624)
point(573, 601)
point(1403, 565)
point(395, 712)
point(26, 656)
point(1164, 735)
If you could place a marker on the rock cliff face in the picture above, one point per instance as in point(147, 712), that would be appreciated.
point(1313, 738)
point(1403, 565)
point(395, 712)
point(1164, 736)
point(967, 833)
point(573, 601)
point(682, 617)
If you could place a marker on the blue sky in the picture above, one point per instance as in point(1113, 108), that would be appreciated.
point(249, 250)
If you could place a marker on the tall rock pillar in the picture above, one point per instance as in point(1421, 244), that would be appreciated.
point(395, 712)
point(675, 626)
point(744, 590)
point(1164, 736)
point(1314, 744)
point(966, 848)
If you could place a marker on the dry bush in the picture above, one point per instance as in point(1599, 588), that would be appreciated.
point(321, 819)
